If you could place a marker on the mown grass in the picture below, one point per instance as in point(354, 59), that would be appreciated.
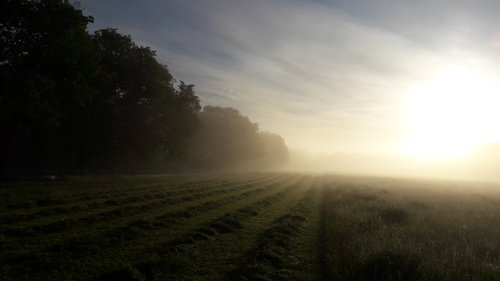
point(97, 247)
point(249, 227)
point(277, 255)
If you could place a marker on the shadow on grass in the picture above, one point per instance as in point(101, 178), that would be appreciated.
point(394, 215)
point(389, 266)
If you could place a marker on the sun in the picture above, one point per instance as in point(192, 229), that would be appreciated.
point(451, 114)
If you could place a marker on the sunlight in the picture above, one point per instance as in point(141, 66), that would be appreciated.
point(450, 115)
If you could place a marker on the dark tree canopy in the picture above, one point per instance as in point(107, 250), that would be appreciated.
point(46, 68)
point(139, 115)
point(76, 102)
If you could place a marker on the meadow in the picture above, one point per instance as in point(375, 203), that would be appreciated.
point(252, 226)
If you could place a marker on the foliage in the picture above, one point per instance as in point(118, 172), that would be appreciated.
point(75, 102)
point(46, 68)
point(227, 139)
point(139, 119)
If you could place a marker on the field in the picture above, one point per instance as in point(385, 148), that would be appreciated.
point(255, 226)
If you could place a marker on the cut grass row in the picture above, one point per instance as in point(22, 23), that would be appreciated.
point(134, 235)
point(144, 210)
point(203, 253)
point(55, 194)
point(172, 258)
point(278, 255)
point(111, 208)
point(105, 197)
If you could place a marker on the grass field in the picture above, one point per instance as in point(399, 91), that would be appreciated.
point(259, 226)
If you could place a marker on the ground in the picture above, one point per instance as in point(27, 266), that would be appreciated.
point(252, 226)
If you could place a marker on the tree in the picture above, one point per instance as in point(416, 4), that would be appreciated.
point(227, 139)
point(75, 102)
point(275, 150)
point(46, 65)
point(139, 118)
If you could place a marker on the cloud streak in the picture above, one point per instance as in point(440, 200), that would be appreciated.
point(326, 76)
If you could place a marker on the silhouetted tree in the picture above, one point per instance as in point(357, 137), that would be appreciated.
point(139, 117)
point(46, 64)
point(77, 102)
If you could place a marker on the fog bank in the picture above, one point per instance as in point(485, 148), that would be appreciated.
point(482, 164)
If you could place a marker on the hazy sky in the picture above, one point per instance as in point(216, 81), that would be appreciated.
point(326, 75)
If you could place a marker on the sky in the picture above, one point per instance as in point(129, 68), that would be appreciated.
point(347, 76)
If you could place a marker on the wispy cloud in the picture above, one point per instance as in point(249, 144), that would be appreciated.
point(326, 76)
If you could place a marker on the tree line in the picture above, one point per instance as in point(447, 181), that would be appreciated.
point(79, 102)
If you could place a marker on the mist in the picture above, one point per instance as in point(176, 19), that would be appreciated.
point(480, 165)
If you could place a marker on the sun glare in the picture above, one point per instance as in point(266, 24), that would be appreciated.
point(451, 114)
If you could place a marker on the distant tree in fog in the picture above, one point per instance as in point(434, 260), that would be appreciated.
point(275, 150)
point(227, 139)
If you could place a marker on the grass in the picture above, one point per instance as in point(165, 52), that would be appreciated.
point(259, 226)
